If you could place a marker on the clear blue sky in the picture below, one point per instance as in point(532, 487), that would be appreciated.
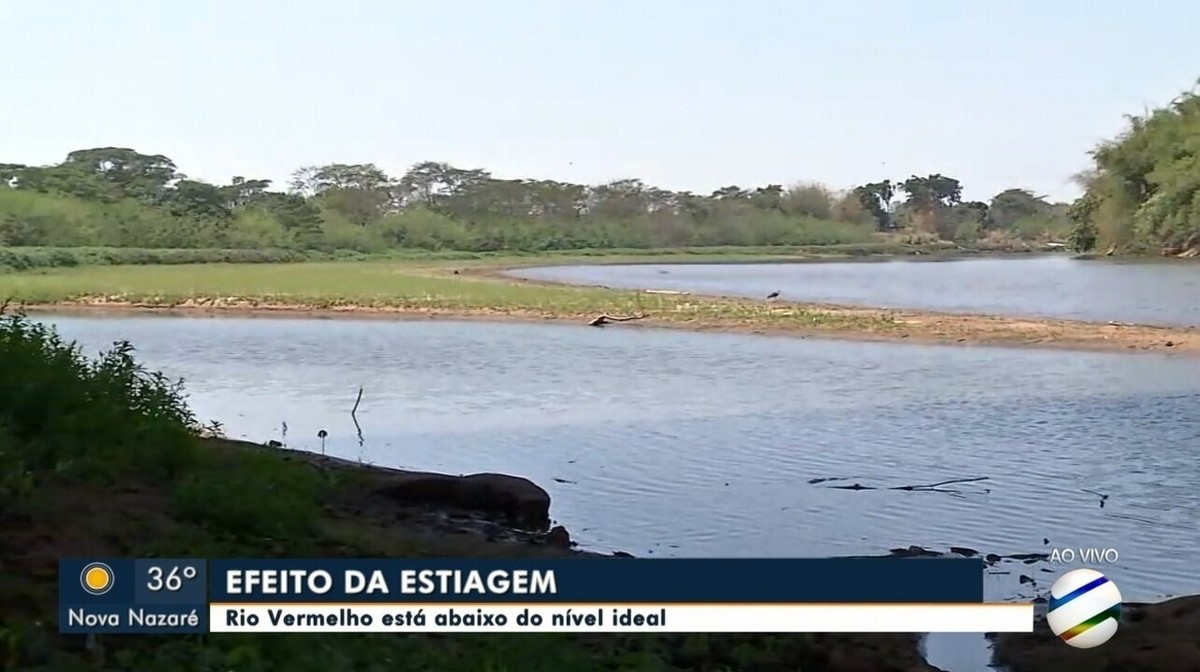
point(685, 95)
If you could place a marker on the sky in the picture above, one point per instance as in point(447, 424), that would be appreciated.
point(689, 95)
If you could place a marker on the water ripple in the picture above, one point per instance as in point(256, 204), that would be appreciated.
point(1055, 286)
point(671, 443)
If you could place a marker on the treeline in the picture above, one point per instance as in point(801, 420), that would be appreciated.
point(118, 197)
point(1143, 191)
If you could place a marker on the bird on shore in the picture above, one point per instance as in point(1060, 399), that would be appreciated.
point(773, 295)
point(321, 435)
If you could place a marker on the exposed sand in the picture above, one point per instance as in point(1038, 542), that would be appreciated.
point(875, 325)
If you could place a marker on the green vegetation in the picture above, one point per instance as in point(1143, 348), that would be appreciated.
point(1143, 192)
point(410, 286)
point(75, 432)
point(30, 258)
point(119, 198)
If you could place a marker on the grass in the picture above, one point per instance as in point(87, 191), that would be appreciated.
point(103, 458)
point(18, 259)
point(410, 285)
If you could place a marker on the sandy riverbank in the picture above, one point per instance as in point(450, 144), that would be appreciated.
point(782, 319)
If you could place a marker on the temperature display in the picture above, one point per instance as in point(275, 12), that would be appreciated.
point(171, 579)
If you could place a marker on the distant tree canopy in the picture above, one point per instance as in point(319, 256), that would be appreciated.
point(112, 196)
point(1143, 191)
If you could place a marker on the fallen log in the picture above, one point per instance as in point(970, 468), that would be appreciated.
point(935, 486)
point(608, 319)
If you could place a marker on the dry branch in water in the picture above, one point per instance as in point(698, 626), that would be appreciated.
point(934, 486)
point(930, 487)
point(354, 417)
point(607, 319)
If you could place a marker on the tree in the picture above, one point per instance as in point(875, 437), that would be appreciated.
point(192, 198)
point(1012, 205)
point(811, 200)
point(876, 198)
point(298, 216)
point(929, 202)
point(144, 177)
point(361, 192)
point(242, 192)
point(1143, 190)
point(436, 185)
point(117, 196)
point(769, 197)
point(619, 199)
point(932, 191)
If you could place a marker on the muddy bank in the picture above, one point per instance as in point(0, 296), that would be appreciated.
point(781, 319)
point(480, 511)
point(494, 507)
point(1155, 637)
point(497, 515)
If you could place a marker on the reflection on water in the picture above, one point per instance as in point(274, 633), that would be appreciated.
point(705, 445)
point(1150, 293)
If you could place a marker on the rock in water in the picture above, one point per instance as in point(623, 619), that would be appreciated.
point(518, 500)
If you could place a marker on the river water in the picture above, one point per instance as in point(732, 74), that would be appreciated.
point(668, 443)
point(1047, 286)
point(672, 443)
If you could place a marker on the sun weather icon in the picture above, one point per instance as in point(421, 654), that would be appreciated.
point(97, 578)
point(1084, 608)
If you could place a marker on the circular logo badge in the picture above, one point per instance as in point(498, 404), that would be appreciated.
point(96, 578)
point(1084, 608)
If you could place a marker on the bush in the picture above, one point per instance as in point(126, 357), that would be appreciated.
point(63, 415)
point(91, 418)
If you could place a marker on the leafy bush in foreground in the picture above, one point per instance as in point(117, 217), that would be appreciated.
point(91, 418)
point(63, 415)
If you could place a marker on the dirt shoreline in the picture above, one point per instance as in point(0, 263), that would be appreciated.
point(1157, 637)
point(865, 324)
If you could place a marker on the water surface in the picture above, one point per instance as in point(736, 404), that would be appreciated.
point(1051, 286)
point(680, 444)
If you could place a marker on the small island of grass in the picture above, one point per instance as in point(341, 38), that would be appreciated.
point(477, 289)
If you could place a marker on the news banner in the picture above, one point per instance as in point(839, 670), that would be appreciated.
point(188, 596)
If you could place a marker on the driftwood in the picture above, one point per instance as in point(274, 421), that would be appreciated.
point(608, 319)
point(1103, 497)
point(933, 487)
point(354, 417)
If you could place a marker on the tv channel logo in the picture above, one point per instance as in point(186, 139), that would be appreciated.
point(1084, 608)
point(97, 578)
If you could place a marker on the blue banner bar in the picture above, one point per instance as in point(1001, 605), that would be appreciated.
point(601, 580)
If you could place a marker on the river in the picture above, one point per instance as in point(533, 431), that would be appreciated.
point(1160, 293)
point(669, 443)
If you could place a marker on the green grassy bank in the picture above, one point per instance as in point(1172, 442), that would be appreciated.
point(414, 286)
point(15, 259)
point(99, 457)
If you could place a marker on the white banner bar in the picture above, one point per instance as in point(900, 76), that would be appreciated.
point(367, 617)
